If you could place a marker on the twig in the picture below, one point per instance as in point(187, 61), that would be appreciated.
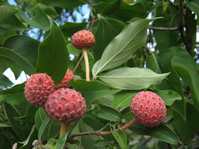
point(102, 133)
point(163, 28)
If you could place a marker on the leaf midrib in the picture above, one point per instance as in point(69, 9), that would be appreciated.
point(101, 68)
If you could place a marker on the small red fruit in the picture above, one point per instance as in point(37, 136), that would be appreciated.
point(83, 39)
point(149, 109)
point(69, 75)
point(65, 105)
point(37, 88)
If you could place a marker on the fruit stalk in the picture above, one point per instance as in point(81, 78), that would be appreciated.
point(63, 129)
point(86, 61)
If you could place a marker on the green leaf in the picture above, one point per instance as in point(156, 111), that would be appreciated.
point(188, 72)
point(194, 6)
point(100, 29)
point(108, 114)
point(103, 6)
point(36, 16)
point(20, 119)
point(43, 127)
point(93, 90)
point(70, 27)
point(12, 115)
point(53, 55)
point(136, 9)
point(8, 19)
point(162, 132)
point(122, 100)
point(47, 128)
point(61, 142)
point(132, 78)
point(169, 96)
point(69, 4)
point(164, 59)
point(152, 63)
point(185, 120)
point(24, 46)
point(4, 82)
point(14, 95)
point(10, 59)
point(121, 139)
point(166, 39)
point(122, 47)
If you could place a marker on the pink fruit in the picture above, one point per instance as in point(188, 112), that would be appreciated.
point(83, 39)
point(65, 105)
point(37, 88)
point(149, 109)
point(69, 75)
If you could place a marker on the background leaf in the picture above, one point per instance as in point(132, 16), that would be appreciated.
point(10, 59)
point(162, 133)
point(169, 96)
point(24, 46)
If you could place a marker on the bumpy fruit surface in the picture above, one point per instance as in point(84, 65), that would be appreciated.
point(69, 75)
point(37, 88)
point(83, 39)
point(65, 105)
point(149, 109)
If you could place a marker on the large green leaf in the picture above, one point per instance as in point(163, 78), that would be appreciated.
point(53, 55)
point(132, 78)
point(163, 133)
point(9, 58)
point(24, 46)
point(100, 29)
point(122, 47)
point(188, 71)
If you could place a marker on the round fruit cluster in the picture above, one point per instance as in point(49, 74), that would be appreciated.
point(66, 105)
point(60, 102)
point(149, 109)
